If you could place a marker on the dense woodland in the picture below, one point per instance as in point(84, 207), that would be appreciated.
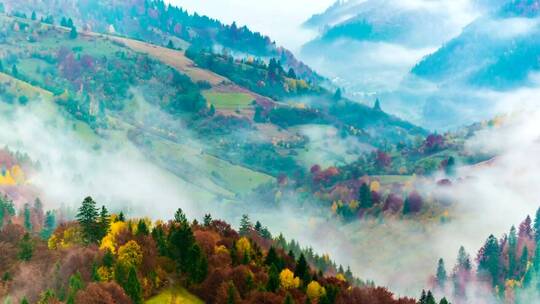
point(50, 260)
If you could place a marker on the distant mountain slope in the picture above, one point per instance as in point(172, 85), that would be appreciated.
point(498, 51)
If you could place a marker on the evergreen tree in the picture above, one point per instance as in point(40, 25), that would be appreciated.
point(207, 221)
point(73, 33)
point(365, 197)
point(430, 299)
point(121, 217)
point(75, 284)
point(69, 23)
point(377, 105)
point(338, 95)
point(104, 222)
point(170, 45)
point(27, 218)
point(24, 301)
point(537, 226)
point(512, 249)
point(245, 225)
point(34, 17)
point(26, 248)
point(291, 73)
point(488, 263)
point(133, 286)
point(87, 218)
point(63, 22)
point(48, 225)
point(142, 228)
point(302, 269)
point(441, 274)
point(180, 217)
point(108, 258)
point(273, 279)
point(14, 70)
point(444, 301)
point(523, 261)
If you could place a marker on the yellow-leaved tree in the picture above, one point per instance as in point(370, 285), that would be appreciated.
point(315, 291)
point(287, 279)
point(109, 241)
point(130, 254)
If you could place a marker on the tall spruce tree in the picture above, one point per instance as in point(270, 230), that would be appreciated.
point(88, 219)
point(133, 286)
point(441, 274)
point(512, 251)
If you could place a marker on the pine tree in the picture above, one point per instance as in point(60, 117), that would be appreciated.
point(142, 228)
point(430, 299)
point(273, 279)
point(87, 217)
point(365, 197)
point(488, 263)
point(48, 225)
point(34, 17)
point(14, 70)
point(537, 226)
point(133, 286)
point(170, 45)
point(523, 261)
point(512, 249)
point(302, 269)
point(25, 301)
point(245, 225)
point(207, 221)
point(180, 217)
point(338, 95)
point(121, 217)
point(104, 222)
point(441, 274)
point(291, 73)
point(75, 284)
point(26, 248)
point(288, 299)
point(27, 218)
point(377, 105)
point(73, 33)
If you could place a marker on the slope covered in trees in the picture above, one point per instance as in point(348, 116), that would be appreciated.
point(108, 258)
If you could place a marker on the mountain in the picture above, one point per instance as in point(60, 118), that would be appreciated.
point(370, 46)
point(498, 51)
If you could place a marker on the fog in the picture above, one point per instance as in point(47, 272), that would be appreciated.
point(279, 19)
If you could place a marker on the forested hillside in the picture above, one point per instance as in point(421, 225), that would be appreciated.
point(108, 258)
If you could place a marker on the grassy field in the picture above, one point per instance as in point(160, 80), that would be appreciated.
point(390, 179)
point(212, 173)
point(23, 88)
point(229, 101)
point(174, 58)
point(174, 296)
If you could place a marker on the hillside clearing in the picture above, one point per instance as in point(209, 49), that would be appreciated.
point(174, 295)
point(229, 101)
